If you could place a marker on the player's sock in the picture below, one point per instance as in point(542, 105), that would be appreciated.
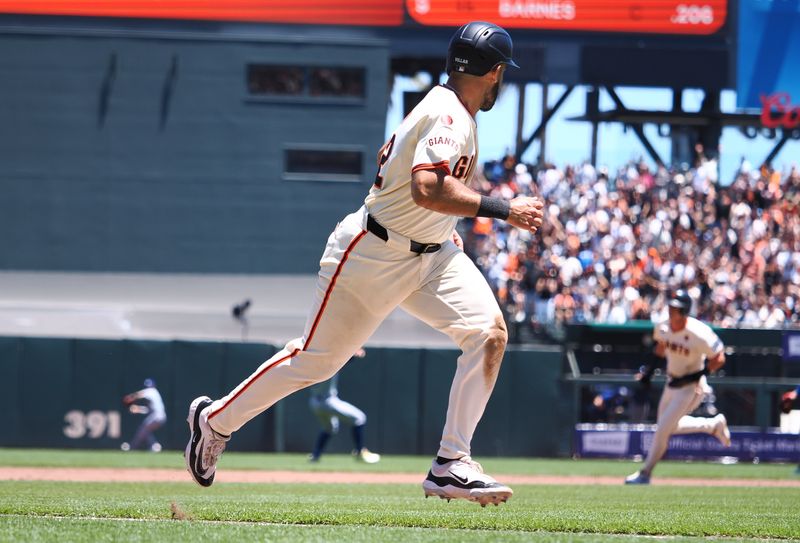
point(358, 437)
point(218, 434)
point(322, 440)
point(441, 460)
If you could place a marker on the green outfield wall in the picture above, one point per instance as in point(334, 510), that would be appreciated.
point(67, 393)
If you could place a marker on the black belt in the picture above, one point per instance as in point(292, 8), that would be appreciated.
point(414, 246)
point(683, 380)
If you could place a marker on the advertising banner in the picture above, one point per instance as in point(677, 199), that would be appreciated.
point(328, 12)
point(768, 55)
point(629, 441)
point(791, 338)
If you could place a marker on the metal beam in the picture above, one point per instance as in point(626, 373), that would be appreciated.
point(671, 118)
point(592, 108)
point(778, 146)
point(543, 133)
point(520, 113)
point(546, 116)
point(637, 128)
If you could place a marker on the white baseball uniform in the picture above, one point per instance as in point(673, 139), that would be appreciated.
point(365, 275)
point(686, 352)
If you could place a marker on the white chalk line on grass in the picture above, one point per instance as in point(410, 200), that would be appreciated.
point(476, 531)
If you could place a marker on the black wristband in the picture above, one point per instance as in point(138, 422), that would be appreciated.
point(496, 208)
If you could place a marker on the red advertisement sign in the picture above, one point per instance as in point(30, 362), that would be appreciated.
point(643, 16)
point(329, 12)
point(778, 111)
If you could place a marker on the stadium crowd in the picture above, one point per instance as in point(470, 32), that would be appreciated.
point(614, 244)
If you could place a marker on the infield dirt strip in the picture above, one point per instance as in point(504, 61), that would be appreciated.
point(143, 475)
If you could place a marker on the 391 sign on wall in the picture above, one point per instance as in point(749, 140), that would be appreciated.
point(92, 424)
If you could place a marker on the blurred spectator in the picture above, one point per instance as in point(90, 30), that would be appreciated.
point(608, 404)
point(613, 243)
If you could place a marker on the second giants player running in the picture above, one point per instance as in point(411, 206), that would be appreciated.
point(401, 249)
point(692, 350)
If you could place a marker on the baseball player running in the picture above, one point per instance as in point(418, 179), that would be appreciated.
point(692, 351)
point(401, 249)
point(788, 400)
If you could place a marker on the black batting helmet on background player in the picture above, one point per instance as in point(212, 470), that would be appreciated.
point(681, 300)
point(477, 47)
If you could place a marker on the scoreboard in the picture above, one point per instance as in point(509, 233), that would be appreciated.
point(640, 16)
point(700, 17)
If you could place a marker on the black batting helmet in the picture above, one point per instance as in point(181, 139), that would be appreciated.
point(477, 47)
point(681, 299)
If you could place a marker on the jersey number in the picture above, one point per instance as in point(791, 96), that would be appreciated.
point(383, 156)
point(463, 165)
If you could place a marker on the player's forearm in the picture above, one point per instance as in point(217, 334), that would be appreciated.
point(716, 362)
point(437, 191)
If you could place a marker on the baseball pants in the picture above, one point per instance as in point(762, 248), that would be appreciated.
point(362, 279)
point(673, 418)
point(329, 410)
point(144, 434)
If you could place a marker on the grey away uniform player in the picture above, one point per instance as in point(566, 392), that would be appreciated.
point(692, 350)
point(401, 249)
point(155, 416)
point(330, 410)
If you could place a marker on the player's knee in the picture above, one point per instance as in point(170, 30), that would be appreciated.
point(497, 337)
point(317, 370)
point(494, 347)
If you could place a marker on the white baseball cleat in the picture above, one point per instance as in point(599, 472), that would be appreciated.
point(638, 478)
point(721, 431)
point(464, 478)
point(205, 445)
point(367, 456)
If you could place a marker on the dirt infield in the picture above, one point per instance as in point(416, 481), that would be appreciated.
point(140, 475)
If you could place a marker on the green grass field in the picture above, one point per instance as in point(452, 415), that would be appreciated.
point(75, 511)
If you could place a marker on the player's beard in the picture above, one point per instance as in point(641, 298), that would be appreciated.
point(490, 97)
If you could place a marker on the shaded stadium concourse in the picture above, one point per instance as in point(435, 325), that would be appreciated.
point(175, 306)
